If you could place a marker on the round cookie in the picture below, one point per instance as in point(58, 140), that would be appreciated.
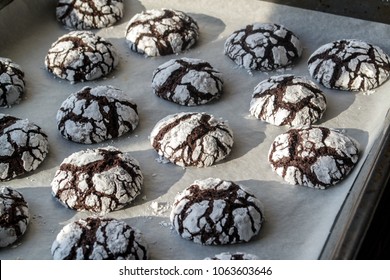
point(316, 157)
point(288, 100)
point(11, 82)
point(89, 14)
point(227, 256)
point(216, 212)
point(187, 81)
point(97, 238)
point(81, 56)
point(14, 215)
point(192, 139)
point(161, 32)
point(349, 64)
point(263, 46)
point(93, 115)
point(97, 180)
point(23, 147)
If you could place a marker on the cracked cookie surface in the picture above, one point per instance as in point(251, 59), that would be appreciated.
point(216, 212)
point(187, 81)
point(97, 238)
point(97, 180)
point(349, 64)
point(161, 32)
point(192, 139)
point(89, 14)
point(93, 115)
point(81, 56)
point(23, 147)
point(288, 100)
point(263, 46)
point(233, 256)
point(315, 157)
point(11, 82)
point(14, 215)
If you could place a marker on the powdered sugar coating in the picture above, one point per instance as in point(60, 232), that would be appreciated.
point(263, 46)
point(192, 139)
point(23, 146)
point(187, 81)
point(349, 64)
point(81, 56)
point(96, 238)
point(14, 215)
point(93, 115)
point(315, 157)
point(215, 212)
point(161, 32)
point(89, 14)
point(288, 100)
point(11, 82)
point(97, 180)
point(227, 256)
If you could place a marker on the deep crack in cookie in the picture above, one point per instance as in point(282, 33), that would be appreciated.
point(97, 180)
point(81, 56)
point(161, 32)
point(89, 14)
point(12, 82)
point(288, 100)
point(192, 139)
point(187, 81)
point(216, 212)
point(316, 157)
point(96, 238)
point(93, 115)
point(349, 64)
point(23, 147)
point(14, 215)
point(263, 46)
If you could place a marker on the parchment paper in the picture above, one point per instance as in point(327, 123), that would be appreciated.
point(298, 219)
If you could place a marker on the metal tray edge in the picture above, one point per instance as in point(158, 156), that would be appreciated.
point(358, 209)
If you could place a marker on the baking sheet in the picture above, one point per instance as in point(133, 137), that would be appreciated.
point(299, 220)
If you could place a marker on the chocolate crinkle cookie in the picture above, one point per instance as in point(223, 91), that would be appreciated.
point(216, 212)
point(97, 180)
point(192, 139)
point(187, 81)
point(81, 56)
point(263, 46)
point(350, 64)
point(11, 82)
point(89, 14)
point(93, 115)
point(288, 100)
point(227, 256)
point(161, 32)
point(14, 215)
point(96, 238)
point(316, 157)
point(23, 146)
